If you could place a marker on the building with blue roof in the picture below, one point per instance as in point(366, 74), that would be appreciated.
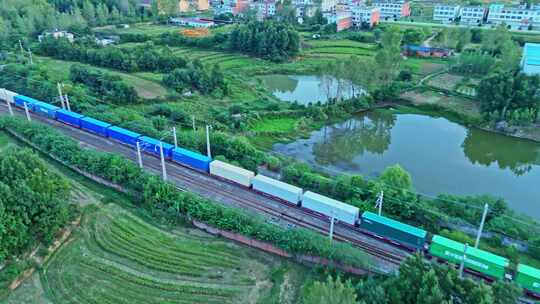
point(530, 62)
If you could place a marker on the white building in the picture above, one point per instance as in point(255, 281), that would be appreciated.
point(265, 8)
point(328, 5)
point(445, 13)
point(472, 15)
point(393, 9)
point(57, 34)
point(362, 14)
point(530, 61)
point(518, 18)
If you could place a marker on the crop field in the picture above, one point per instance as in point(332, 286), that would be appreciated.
point(338, 48)
point(119, 258)
point(140, 28)
point(146, 88)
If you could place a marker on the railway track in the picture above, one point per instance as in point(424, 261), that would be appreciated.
point(289, 214)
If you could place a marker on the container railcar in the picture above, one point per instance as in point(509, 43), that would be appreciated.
point(191, 159)
point(123, 135)
point(45, 109)
point(330, 207)
point(231, 173)
point(406, 235)
point(483, 262)
point(152, 146)
point(20, 100)
point(8, 95)
point(528, 278)
point(277, 189)
point(68, 117)
point(95, 126)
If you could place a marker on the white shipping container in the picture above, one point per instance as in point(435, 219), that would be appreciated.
point(330, 207)
point(277, 188)
point(232, 173)
point(7, 94)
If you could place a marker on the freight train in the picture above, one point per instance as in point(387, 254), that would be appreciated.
point(477, 261)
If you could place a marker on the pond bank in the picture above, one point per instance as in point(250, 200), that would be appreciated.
point(460, 110)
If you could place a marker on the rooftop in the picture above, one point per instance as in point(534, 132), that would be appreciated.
point(528, 270)
point(531, 52)
point(471, 251)
point(316, 196)
point(393, 223)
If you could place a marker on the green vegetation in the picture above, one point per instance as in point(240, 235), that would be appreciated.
point(22, 19)
point(267, 39)
point(32, 208)
point(118, 258)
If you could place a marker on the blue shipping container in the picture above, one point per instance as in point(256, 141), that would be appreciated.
point(124, 136)
point(191, 159)
point(95, 126)
point(68, 117)
point(21, 99)
point(45, 109)
point(151, 145)
point(393, 230)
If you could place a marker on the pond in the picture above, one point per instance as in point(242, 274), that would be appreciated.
point(305, 89)
point(441, 156)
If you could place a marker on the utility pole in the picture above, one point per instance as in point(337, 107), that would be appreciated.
point(30, 53)
point(26, 111)
point(174, 135)
point(380, 202)
point(331, 234)
point(193, 122)
point(6, 96)
point(479, 235)
point(208, 152)
point(22, 49)
point(164, 173)
point(60, 95)
point(67, 100)
point(139, 156)
point(462, 265)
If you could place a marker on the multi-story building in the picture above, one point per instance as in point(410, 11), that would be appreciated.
point(234, 7)
point(472, 15)
point(265, 9)
point(343, 20)
point(363, 16)
point(393, 9)
point(445, 13)
point(306, 10)
point(514, 17)
point(530, 62)
point(328, 5)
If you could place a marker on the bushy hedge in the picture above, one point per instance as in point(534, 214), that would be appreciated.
point(164, 196)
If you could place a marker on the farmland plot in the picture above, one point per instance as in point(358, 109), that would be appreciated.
point(118, 258)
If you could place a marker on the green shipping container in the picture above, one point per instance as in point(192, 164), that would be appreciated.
point(478, 260)
point(528, 278)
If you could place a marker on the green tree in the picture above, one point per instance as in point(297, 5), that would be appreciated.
point(331, 291)
point(388, 58)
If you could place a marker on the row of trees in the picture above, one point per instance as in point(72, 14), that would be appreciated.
point(418, 282)
point(141, 58)
point(196, 77)
point(510, 96)
point(268, 39)
point(107, 86)
point(33, 202)
point(23, 19)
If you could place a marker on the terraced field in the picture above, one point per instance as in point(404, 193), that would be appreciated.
point(338, 48)
point(118, 258)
